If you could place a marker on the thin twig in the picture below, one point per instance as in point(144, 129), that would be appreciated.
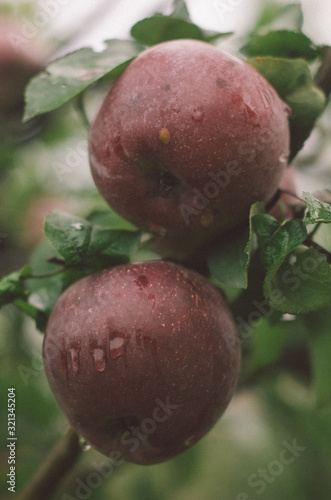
point(59, 462)
point(47, 275)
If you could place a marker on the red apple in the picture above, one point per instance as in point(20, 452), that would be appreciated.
point(186, 140)
point(143, 359)
point(20, 60)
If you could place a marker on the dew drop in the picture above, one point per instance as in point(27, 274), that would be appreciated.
point(116, 347)
point(84, 444)
point(116, 137)
point(190, 441)
point(265, 98)
point(198, 115)
point(176, 108)
point(74, 359)
point(283, 158)
point(78, 226)
point(99, 357)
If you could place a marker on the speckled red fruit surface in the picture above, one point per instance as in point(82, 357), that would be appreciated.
point(20, 60)
point(143, 359)
point(187, 139)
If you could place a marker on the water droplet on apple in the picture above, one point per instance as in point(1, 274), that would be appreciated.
point(176, 108)
point(190, 441)
point(287, 110)
point(198, 115)
point(116, 137)
point(84, 444)
point(77, 225)
point(116, 347)
point(265, 98)
point(283, 158)
point(74, 359)
point(99, 357)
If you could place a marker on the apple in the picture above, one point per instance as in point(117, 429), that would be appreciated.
point(143, 359)
point(20, 60)
point(187, 138)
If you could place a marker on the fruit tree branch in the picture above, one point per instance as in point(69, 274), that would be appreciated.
point(59, 462)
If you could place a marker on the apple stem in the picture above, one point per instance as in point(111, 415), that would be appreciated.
point(59, 462)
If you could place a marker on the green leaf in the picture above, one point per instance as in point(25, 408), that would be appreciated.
point(11, 286)
point(228, 258)
point(323, 237)
point(80, 242)
point(157, 29)
point(66, 78)
point(277, 240)
point(33, 312)
point(285, 239)
point(282, 43)
point(293, 82)
point(285, 75)
point(307, 103)
point(301, 284)
point(70, 236)
point(317, 211)
point(264, 226)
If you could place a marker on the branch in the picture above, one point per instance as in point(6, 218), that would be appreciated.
point(59, 462)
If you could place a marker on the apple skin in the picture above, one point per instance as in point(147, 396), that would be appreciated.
point(20, 60)
point(143, 359)
point(187, 138)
